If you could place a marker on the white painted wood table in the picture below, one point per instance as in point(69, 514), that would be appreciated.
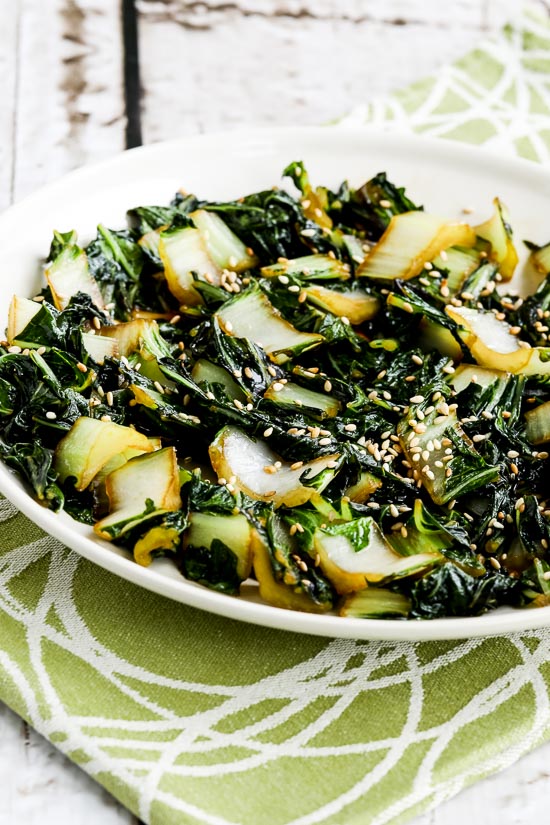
point(72, 91)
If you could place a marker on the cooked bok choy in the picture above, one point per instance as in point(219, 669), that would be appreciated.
point(331, 398)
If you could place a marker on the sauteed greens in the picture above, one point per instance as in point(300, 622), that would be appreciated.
point(332, 393)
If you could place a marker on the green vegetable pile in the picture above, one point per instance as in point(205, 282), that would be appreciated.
point(323, 392)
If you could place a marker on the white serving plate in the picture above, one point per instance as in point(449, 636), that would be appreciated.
point(443, 175)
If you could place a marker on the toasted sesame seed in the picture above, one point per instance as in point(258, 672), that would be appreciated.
point(270, 468)
point(394, 511)
point(40, 298)
point(96, 322)
point(296, 465)
point(327, 386)
point(324, 441)
point(175, 318)
point(417, 359)
point(268, 432)
point(109, 399)
point(416, 399)
point(494, 563)
point(512, 454)
point(277, 386)
point(514, 469)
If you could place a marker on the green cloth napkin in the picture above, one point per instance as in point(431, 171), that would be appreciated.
point(190, 718)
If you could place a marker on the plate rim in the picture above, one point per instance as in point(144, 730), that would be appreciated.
point(183, 591)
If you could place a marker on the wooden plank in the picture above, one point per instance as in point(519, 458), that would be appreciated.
point(70, 104)
point(213, 65)
point(41, 787)
point(8, 89)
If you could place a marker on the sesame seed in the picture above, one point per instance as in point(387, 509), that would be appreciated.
point(97, 323)
point(105, 418)
point(512, 454)
point(268, 432)
point(514, 469)
point(416, 399)
point(270, 468)
point(350, 428)
point(158, 386)
point(294, 288)
point(417, 359)
point(228, 326)
point(324, 441)
point(238, 404)
point(327, 386)
point(394, 511)
point(51, 415)
point(494, 563)
point(109, 399)
point(14, 349)
point(467, 210)
point(277, 386)
point(385, 204)
point(296, 465)
point(40, 298)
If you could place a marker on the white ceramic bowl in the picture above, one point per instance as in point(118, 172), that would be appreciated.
point(443, 175)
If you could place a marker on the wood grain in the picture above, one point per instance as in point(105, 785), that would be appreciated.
point(214, 65)
point(69, 103)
